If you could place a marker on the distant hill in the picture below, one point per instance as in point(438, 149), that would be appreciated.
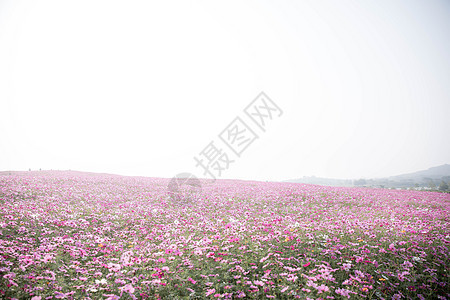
point(433, 173)
point(424, 179)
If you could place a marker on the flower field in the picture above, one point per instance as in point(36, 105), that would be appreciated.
point(70, 235)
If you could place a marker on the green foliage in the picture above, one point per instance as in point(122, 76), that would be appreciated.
point(443, 186)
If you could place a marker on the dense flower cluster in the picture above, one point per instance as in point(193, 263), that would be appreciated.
point(68, 235)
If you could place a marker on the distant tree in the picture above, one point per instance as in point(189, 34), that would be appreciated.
point(443, 186)
point(360, 182)
point(431, 184)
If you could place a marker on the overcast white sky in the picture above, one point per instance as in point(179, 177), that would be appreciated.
point(141, 87)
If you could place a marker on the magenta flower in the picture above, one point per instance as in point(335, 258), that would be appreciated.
point(192, 280)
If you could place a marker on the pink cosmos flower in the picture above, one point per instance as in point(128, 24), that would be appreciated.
point(111, 297)
point(128, 288)
point(52, 275)
point(322, 288)
point(192, 280)
point(346, 266)
point(10, 275)
point(258, 282)
point(343, 292)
